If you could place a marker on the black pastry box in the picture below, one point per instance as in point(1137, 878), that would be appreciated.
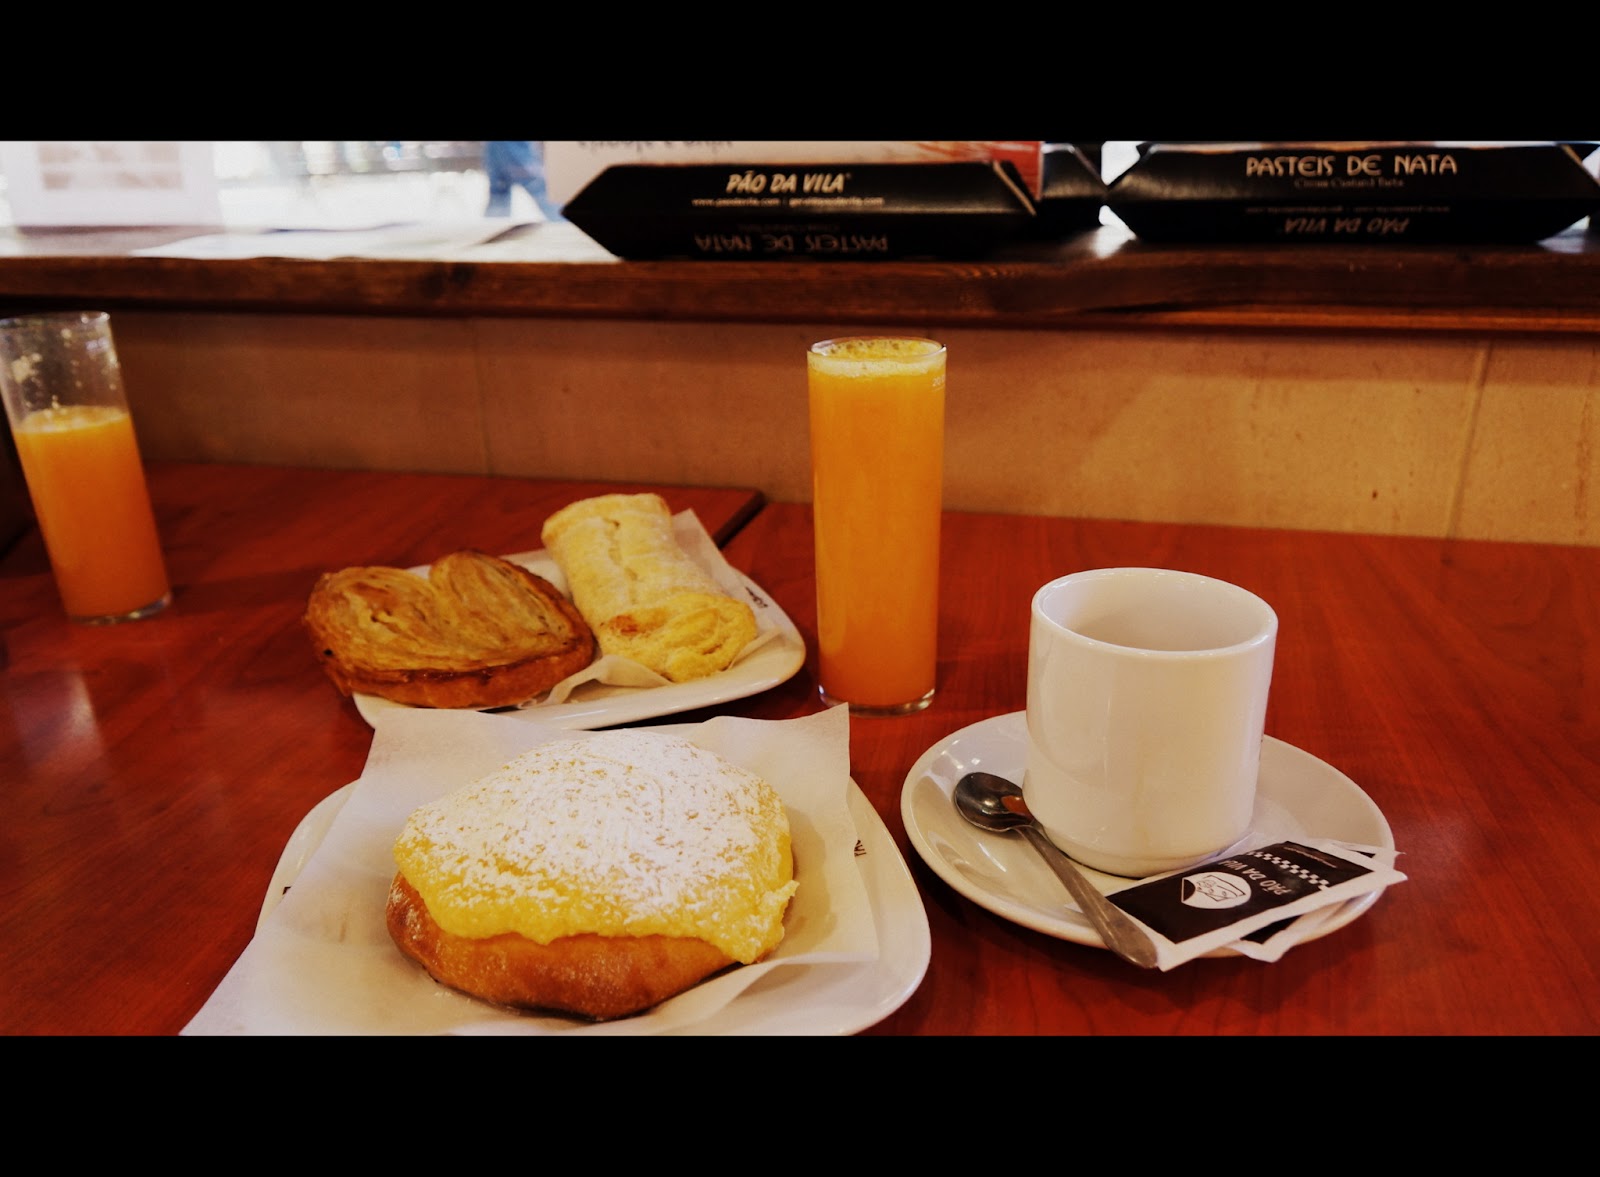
point(1071, 192)
point(778, 211)
point(1355, 192)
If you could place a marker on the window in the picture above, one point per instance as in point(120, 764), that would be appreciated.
point(304, 184)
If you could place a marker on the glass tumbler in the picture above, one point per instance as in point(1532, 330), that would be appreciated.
point(877, 471)
point(69, 417)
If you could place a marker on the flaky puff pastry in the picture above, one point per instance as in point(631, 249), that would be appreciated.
point(476, 631)
point(643, 596)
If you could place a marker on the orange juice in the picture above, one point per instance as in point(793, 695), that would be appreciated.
point(83, 471)
point(877, 461)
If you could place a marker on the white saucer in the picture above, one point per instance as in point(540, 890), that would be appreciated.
point(1298, 796)
point(800, 1000)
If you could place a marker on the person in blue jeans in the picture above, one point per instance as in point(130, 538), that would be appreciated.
point(513, 163)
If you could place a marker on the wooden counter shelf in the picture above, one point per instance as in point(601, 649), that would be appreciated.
point(1102, 278)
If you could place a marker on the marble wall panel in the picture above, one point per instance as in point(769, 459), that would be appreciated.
point(305, 390)
point(1532, 468)
point(1413, 434)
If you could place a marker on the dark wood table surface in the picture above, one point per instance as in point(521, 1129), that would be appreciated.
point(153, 772)
point(1457, 683)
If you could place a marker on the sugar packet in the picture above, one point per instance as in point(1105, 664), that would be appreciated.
point(1273, 940)
point(1254, 900)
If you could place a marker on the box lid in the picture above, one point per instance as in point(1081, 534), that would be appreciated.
point(1361, 192)
point(856, 211)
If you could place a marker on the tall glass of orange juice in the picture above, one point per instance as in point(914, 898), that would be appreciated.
point(75, 442)
point(877, 481)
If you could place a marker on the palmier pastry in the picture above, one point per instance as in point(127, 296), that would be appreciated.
point(478, 631)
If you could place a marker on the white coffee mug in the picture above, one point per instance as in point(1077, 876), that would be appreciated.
point(1147, 703)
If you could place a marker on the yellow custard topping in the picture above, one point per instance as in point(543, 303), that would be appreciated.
point(621, 833)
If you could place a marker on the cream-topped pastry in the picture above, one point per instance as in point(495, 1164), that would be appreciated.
point(650, 857)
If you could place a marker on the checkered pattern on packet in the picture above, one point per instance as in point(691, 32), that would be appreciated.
point(1288, 867)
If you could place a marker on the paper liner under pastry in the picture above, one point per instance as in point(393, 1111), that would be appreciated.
point(322, 961)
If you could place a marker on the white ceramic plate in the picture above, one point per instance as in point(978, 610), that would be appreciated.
point(1298, 796)
point(604, 706)
point(799, 1000)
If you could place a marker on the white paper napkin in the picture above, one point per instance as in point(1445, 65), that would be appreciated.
point(322, 961)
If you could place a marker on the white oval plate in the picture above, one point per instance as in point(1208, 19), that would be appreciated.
point(769, 664)
point(1298, 796)
point(800, 1000)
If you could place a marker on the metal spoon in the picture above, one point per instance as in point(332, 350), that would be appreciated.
point(993, 803)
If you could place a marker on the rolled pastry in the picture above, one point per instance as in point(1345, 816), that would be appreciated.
point(640, 592)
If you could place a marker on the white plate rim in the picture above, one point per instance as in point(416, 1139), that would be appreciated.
point(773, 663)
point(844, 998)
point(999, 744)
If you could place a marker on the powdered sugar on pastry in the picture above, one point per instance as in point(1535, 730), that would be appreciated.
point(623, 833)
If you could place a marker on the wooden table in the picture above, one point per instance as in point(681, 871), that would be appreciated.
point(153, 772)
point(1458, 684)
